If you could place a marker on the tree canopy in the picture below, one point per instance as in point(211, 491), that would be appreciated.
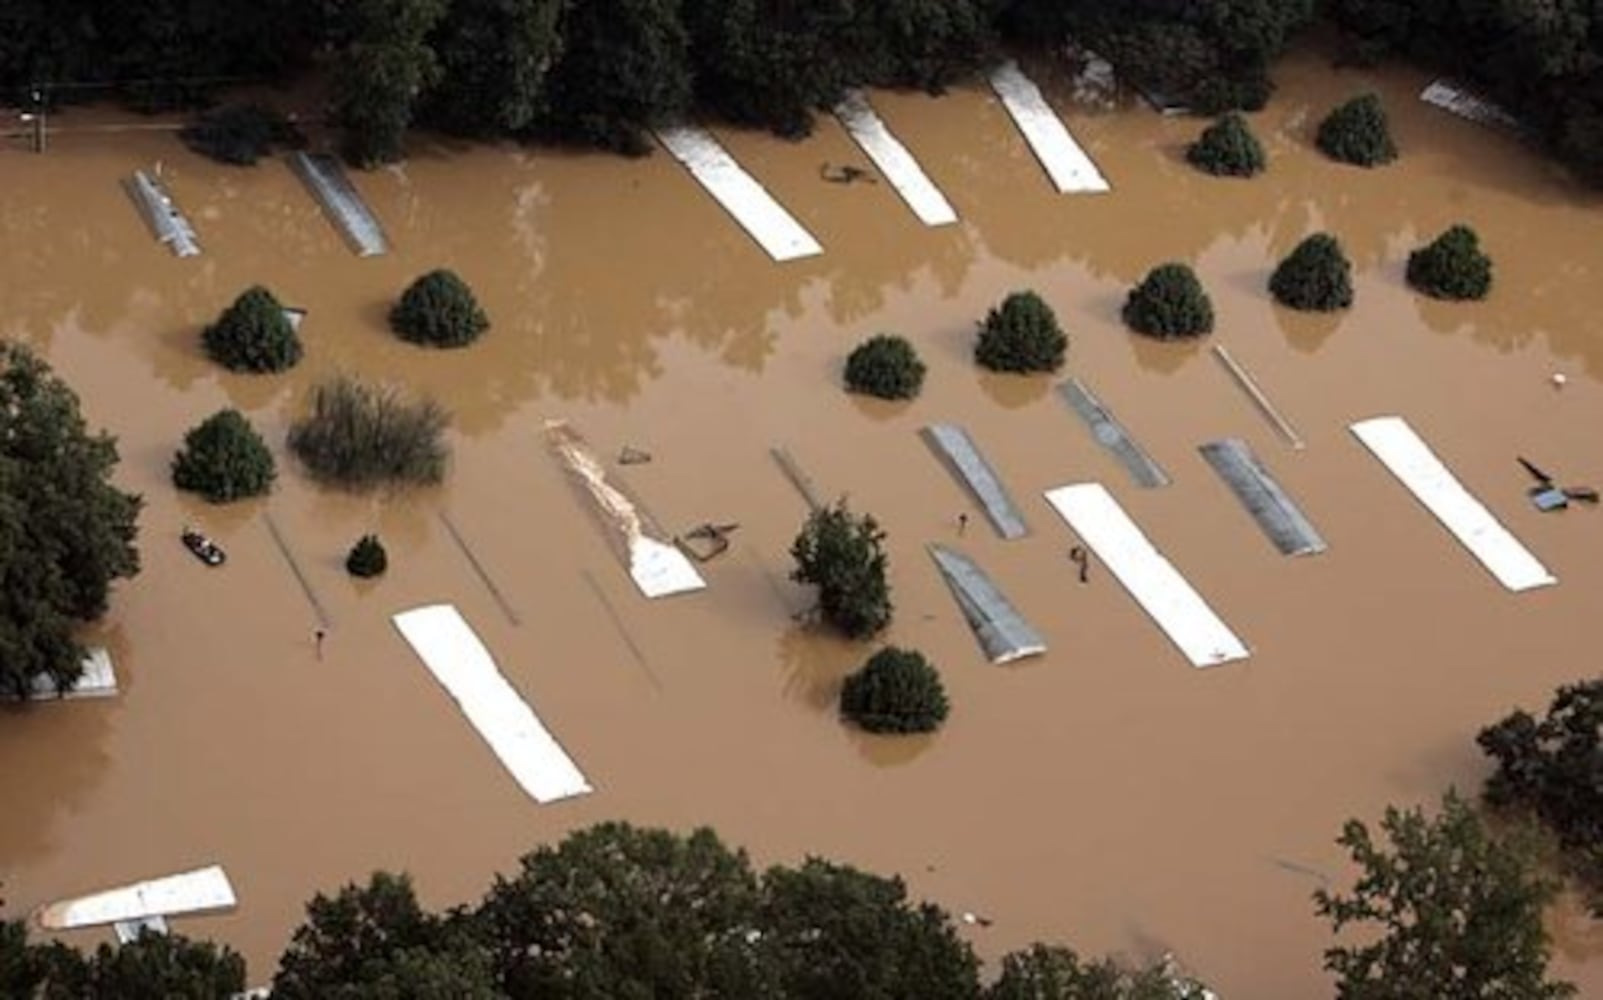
point(895, 691)
point(843, 555)
point(1227, 148)
point(1315, 276)
point(1169, 304)
point(1448, 909)
point(885, 365)
point(1552, 769)
point(1021, 335)
point(1452, 266)
point(253, 335)
point(65, 530)
point(385, 67)
point(224, 459)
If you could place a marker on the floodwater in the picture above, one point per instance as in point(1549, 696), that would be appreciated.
point(1107, 795)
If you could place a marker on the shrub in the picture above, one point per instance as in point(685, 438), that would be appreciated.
point(253, 335)
point(1021, 335)
point(896, 691)
point(439, 310)
point(1357, 133)
point(886, 366)
point(223, 459)
point(360, 435)
point(1316, 276)
point(1227, 148)
point(367, 558)
point(843, 556)
point(240, 134)
point(1452, 266)
point(1169, 303)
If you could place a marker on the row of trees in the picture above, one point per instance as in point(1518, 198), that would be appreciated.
point(599, 72)
point(612, 911)
point(1543, 62)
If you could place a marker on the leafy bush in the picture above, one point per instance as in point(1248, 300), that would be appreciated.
point(367, 558)
point(1316, 276)
point(896, 691)
point(1357, 133)
point(360, 435)
point(1227, 148)
point(886, 366)
point(1021, 335)
point(223, 459)
point(1169, 303)
point(843, 556)
point(1451, 266)
point(253, 335)
point(240, 134)
point(439, 310)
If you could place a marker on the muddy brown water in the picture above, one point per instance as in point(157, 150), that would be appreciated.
point(1107, 795)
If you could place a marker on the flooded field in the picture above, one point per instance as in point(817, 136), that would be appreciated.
point(1107, 795)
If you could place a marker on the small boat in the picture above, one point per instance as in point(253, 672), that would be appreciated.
point(204, 548)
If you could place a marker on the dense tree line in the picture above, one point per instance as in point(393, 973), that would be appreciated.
point(613, 911)
point(1543, 62)
point(599, 72)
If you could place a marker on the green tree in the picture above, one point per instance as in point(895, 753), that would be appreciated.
point(379, 77)
point(895, 691)
point(439, 310)
point(1021, 335)
point(625, 67)
point(1449, 911)
point(65, 530)
point(927, 44)
point(240, 134)
point(494, 56)
point(1315, 276)
point(885, 365)
point(1211, 56)
point(1053, 972)
point(21, 966)
point(1357, 132)
point(1169, 303)
point(832, 932)
point(1227, 148)
point(253, 335)
point(843, 555)
point(1452, 266)
point(1552, 770)
point(769, 63)
point(150, 967)
point(375, 942)
point(224, 459)
point(619, 911)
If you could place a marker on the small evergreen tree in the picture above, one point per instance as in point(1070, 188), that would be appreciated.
point(223, 459)
point(886, 366)
point(1451, 266)
point(1227, 148)
point(439, 310)
point(253, 335)
point(367, 558)
point(1357, 133)
point(896, 691)
point(1169, 303)
point(1021, 335)
point(843, 555)
point(1316, 276)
